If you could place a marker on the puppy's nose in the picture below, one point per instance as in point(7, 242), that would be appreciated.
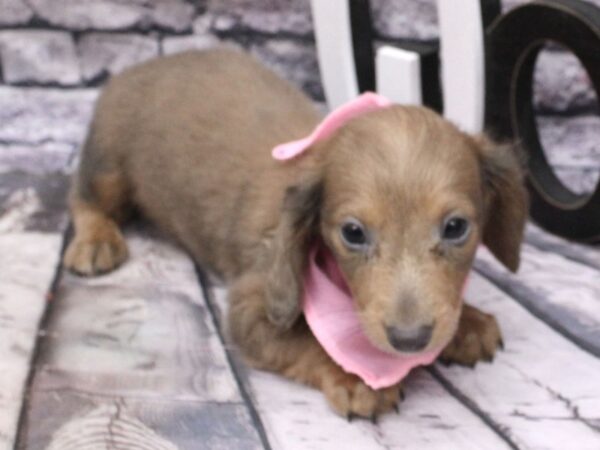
point(409, 339)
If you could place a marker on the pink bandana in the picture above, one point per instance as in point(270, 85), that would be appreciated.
point(328, 307)
point(330, 313)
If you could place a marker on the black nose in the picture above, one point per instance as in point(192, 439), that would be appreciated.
point(409, 339)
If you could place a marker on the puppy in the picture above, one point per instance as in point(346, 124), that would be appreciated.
point(400, 196)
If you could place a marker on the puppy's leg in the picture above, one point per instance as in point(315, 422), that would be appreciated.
point(297, 355)
point(477, 338)
point(96, 203)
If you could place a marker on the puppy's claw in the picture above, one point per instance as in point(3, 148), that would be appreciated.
point(373, 419)
point(501, 344)
point(396, 408)
point(402, 396)
point(446, 362)
point(349, 416)
point(487, 357)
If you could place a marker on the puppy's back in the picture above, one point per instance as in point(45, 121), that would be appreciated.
point(191, 135)
point(204, 95)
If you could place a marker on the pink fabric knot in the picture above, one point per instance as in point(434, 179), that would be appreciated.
point(366, 102)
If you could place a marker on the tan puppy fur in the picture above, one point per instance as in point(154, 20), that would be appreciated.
point(186, 139)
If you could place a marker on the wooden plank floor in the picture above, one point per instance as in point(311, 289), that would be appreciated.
point(134, 357)
point(32, 222)
point(139, 358)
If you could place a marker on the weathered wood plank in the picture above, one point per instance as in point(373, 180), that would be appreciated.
point(298, 417)
point(543, 390)
point(585, 254)
point(564, 293)
point(35, 202)
point(145, 320)
point(140, 337)
point(28, 261)
point(95, 421)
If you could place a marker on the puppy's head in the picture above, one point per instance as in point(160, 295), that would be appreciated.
point(402, 198)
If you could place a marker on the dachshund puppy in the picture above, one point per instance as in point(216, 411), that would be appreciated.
point(400, 196)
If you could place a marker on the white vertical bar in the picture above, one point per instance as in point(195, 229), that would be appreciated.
point(333, 33)
point(462, 55)
point(399, 75)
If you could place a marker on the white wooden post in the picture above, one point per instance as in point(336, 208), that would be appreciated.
point(398, 71)
point(333, 34)
point(462, 56)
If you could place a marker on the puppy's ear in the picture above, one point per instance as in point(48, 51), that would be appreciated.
point(297, 228)
point(506, 203)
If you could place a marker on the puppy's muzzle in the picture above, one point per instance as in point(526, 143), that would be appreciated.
point(411, 339)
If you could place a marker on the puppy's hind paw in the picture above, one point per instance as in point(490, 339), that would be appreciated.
point(95, 255)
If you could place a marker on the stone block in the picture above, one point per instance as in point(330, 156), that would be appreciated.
point(571, 146)
point(579, 180)
point(293, 60)
point(571, 141)
point(176, 15)
point(178, 44)
point(38, 115)
point(561, 83)
point(405, 19)
point(14, 12)
point(37, 159)
point(39, 57)
point(203, 24)
point(266, 16)
point(109, 53)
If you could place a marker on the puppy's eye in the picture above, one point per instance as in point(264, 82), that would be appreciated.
point(354, 235)
point(455, 230)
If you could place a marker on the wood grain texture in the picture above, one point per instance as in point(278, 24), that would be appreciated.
point(107, 426)
point(563, 292)
point(543, 391)
point(32, 201)
point(298, 417)
point(145, 320)
point(585, 254)
point(132, 359)
point(87, 422)
point(142, 338)
point(30, 243)
point(27, 262)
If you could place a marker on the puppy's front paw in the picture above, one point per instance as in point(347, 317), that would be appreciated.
point(477, 338)
point(95, 254)
point(350, 397)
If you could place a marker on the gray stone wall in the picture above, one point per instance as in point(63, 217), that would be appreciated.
point(56, 54)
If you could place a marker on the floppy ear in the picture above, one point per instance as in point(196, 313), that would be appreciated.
point(296, 230)
point(506, 203)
